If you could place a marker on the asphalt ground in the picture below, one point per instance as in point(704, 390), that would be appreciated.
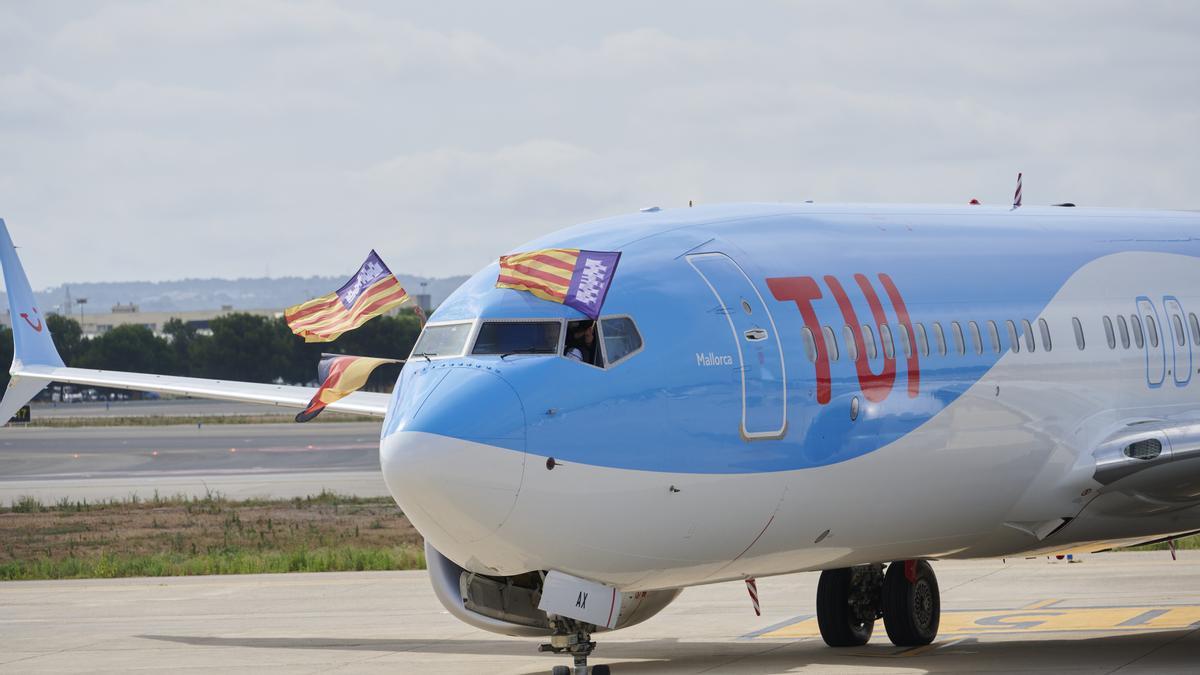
point(1110, 613)
point(239, 461)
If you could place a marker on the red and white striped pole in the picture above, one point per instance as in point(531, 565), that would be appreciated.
point(752, 588)
point(1017, 195)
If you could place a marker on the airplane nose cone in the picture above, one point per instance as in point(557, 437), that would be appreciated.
point(455, 457)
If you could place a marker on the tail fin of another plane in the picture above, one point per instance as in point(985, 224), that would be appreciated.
point(32, 344)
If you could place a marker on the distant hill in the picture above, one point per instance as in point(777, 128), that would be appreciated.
point(203, 294)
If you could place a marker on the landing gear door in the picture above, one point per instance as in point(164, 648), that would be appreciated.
point(763, 376)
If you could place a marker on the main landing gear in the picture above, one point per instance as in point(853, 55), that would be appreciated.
point(850, 599)
point(574, 638)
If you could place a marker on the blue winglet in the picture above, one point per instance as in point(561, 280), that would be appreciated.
point(32, 345)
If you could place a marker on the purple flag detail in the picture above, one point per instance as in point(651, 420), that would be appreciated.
point(589, 284)
point(369, 272)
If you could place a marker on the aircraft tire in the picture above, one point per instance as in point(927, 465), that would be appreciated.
point(601, 670)
point(839, 627)
point(911, 610)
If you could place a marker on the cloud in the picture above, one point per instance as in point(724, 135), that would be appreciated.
point(170, 139)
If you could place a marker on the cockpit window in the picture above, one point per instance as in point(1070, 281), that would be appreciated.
point(443, 340)
point(518, 337)
point(621, 338)
point(581, 344)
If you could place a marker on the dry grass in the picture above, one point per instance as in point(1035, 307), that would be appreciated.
point(210, 535)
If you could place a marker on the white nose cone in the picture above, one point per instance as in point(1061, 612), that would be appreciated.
point(455, 463)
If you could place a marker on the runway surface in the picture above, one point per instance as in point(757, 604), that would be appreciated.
point(1111, 613)
point(245, 460)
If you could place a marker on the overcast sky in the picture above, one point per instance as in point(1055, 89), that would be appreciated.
point(164, 140)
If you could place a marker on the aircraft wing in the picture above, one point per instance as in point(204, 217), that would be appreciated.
point(36, 363)
point(362, 403)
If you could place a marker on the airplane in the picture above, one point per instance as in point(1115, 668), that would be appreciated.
point(773, 389)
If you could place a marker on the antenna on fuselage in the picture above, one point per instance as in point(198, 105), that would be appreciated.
point(1017, 194)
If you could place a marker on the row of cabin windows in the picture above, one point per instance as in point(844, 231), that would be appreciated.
point(977, 338)
point(1137, 331)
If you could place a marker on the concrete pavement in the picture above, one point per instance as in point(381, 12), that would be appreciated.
point(1121, 612)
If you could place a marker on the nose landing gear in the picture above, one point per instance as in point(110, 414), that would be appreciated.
point(574, 638)
point(850, 599)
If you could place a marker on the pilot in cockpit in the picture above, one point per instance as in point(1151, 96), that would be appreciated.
point(581, 341)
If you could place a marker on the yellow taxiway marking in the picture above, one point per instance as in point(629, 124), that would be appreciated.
point(1043, 617)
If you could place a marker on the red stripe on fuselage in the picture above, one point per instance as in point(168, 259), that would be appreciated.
point(914, 364)
point(875, 387)
point(802, 291)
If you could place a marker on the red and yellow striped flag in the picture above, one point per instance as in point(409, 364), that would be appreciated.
point(340, 376)
point(570, 276)
point(546, 273)
point(369, 293)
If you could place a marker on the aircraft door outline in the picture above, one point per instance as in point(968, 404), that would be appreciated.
point(1182, 372)
point(1156, 368)
point(760, 351)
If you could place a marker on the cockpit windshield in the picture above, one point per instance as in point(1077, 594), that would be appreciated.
point(518, 337)
point(443, 340)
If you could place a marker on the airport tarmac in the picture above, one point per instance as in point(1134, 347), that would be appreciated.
point(238, 461)
point(1110, 613)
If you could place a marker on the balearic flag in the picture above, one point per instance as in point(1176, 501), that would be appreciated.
point(372, 291)
point(340, 376)
point(576, 278)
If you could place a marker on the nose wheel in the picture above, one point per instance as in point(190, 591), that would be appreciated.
point(851, 599)
point(574, 638)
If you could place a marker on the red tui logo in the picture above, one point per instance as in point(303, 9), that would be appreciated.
point(38, 326)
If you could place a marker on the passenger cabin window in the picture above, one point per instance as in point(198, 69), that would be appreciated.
point(885, 339)
point(1030, 344)
point(1014, 343)
point(905, 342)
point(869, 341)
point(1180, 334)
point(1152, 330)
point(922, 339)
point(1136, 325)
point(1123, 328)
point(448, 339)
point(621, 338)
point(810, 348)
point(851, 345)
point(830, 343)
point(1044, 329)
point(939, 337)
point(1079, 339)
point(518, 337)
point(1195, 329)
point(994, 335)
point(976, 336)
point(1109, 334)
point(960, 346)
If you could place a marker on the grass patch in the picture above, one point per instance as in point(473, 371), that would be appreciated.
point(183, 535)
point(113, 565)
point(1181, 544)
